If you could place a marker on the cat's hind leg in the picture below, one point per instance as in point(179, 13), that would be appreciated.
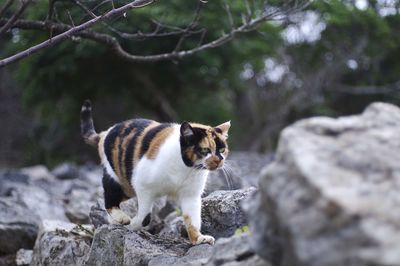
point(113, 196)
point(145, 204)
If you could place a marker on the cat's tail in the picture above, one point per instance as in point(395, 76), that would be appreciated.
point(87, 128)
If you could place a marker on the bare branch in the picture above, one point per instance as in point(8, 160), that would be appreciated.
point(66, 31)
point(368, 89)
point(72, 31)
point(187, 30)
point(5, 7)
point(17, 14)
point(249, 26)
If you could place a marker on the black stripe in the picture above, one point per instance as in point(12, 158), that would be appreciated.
point(123, 134)
point(113, 193)
point(146, 220)
point(150, 136)
point(110, 141)
point(139, 125)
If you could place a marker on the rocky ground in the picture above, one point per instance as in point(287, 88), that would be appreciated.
point(57, 217)
point(330, 197)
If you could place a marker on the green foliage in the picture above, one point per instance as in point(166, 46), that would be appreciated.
point(242, 230)
point(207, 86)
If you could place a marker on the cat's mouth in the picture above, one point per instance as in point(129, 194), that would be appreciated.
point(209, 167)
point(200, 167)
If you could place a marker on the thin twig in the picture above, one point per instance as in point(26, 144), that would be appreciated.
point(5, 7)
point(191, 25)
point(17, 14)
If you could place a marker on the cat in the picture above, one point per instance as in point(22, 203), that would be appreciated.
point(148, 159)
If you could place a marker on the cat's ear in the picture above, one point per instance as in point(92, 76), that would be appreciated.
point(223, 129)
point(186, 130)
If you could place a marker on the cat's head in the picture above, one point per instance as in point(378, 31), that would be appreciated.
point(204, 147)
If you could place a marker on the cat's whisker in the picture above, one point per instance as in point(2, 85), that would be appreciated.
point(229, 169)
point(227, 177)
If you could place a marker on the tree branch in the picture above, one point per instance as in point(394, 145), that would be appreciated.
point(368, 89)
point(73, 31)
point(65, 31)
point(5, 7)
point(17, 14)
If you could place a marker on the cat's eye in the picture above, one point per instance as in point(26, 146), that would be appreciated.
point(221, 150)
point(205, 151)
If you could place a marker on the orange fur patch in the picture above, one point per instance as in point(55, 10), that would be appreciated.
point(157, 141)
point(114, 153)
point(192, 231)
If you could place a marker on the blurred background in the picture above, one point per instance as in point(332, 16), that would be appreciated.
point(327, 58)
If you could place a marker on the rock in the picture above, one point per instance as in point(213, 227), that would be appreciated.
point(174, 226)
point(195, 256)
point(265, 241)
point(222, 213)
point(331, 196)
point(235, 251)
point(98, 215)
point(37, 172)
point(78, 206)
point(242, 170)
point(40, 202)
point(66, 171)
point(108, 246)
point(18, 226)
point(120, 245)
point(8, 179)
point(61, 243)
point(24, 257)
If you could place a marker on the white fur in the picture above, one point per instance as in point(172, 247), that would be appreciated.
point(103, 156)
point(118, 217)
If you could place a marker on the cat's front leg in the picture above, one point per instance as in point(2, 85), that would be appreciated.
point(191, 210)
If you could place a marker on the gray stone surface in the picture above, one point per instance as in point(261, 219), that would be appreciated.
point(61, 243)
point(24, 257)
point(222, 213)
point(98, 214)
point(120, 245)
point(195, 256)
point(332, 195)
point(235, 250)
point(66, 171)
point(18, 226)
point(108, 246)
point(77, 208)
point(40, 202)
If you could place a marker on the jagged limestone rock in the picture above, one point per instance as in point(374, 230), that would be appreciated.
point(18, 226)
point(222, 213)
point(332, 196)
point(235, 250)
point(120, 245)
point(61, 243)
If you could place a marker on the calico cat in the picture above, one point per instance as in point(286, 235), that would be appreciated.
point(147, 159)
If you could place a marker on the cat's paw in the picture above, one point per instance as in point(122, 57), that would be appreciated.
point(136, 224)
point(118, 217)
point(205, 239)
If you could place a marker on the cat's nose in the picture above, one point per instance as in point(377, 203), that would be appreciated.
point(214, 162)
